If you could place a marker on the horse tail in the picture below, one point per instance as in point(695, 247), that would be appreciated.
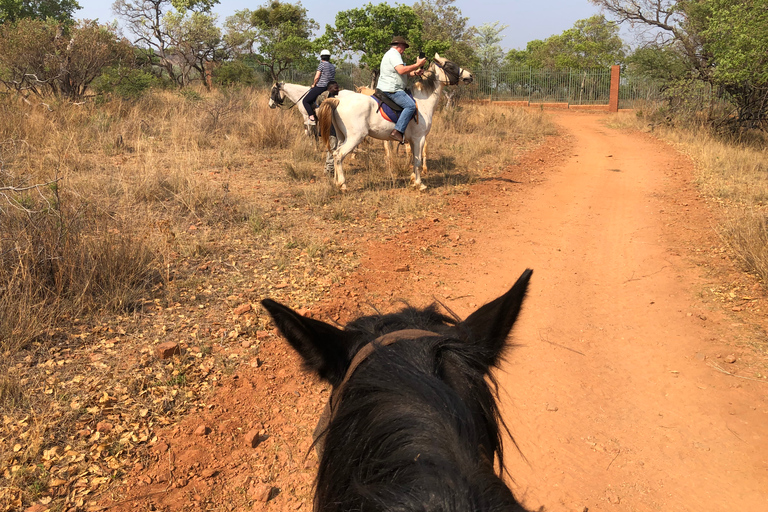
point(325, 119)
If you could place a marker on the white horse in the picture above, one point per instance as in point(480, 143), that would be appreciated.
point(355, 116)
point(388, 143)
point(294, 92)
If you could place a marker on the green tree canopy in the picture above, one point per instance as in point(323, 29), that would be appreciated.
point(278, 34)
point(36, 57)
point(195, 40)
point(722, 42)
point(737, 38)
point(156, 28)
point(368, 32)
point(487, 39)
point(592, 42)
point(59, 10)
point(445, 31)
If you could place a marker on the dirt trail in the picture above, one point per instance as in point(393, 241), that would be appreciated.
point(610, 397)
point(611, 393)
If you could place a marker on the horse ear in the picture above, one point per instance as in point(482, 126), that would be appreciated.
point(323, 347)
point(489, 326)
point(439, 59)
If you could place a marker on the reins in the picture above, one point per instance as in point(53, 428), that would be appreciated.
point(333, 401)
point(281, 96)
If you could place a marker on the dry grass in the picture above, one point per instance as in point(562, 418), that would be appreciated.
point(732, 172)
point(168, 212)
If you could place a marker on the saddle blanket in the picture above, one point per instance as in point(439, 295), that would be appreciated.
point(388, 113)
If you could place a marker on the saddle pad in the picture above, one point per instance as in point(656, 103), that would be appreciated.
point(389, 113)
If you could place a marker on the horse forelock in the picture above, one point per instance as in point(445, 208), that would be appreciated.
point(434, 385)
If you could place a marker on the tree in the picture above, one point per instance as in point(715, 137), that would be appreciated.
point(279, 33)
point(195, 41)
point(666, 24)
point(39, 57)
point(737, 39)
point(59, 10)
point(487, 42)
point(590, 43)
point(147, 21)
point(663, 64)
point(721, 42)
point(445, 31)
point(368, 32)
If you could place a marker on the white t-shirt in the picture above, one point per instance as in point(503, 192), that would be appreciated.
point(389, 79)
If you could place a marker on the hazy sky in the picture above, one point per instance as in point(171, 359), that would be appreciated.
point(527, 19)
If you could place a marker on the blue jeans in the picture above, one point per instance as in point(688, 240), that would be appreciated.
point(409, 108)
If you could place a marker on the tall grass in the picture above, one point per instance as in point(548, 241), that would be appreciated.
point(732, 171)
point(116, 180)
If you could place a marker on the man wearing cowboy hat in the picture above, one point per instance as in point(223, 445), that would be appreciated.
point(392, 80)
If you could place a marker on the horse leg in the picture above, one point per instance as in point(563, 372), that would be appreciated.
point(424, 157)
point(350, 143)
point(417, 148)
point(388, 153)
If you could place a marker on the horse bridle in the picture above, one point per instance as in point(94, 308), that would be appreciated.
point(278, 95)
point(452, 70)
point(333, 401)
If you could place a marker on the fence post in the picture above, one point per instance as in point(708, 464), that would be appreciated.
point(613, 102)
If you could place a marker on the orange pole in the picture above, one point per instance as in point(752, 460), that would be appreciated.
point(613, 102)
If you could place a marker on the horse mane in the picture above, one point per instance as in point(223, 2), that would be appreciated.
point(428, 82)
point(384, 414)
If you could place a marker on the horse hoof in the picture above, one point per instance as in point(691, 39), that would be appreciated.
point(343, 187)
point(422, 187)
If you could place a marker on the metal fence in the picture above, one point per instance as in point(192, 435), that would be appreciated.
point(571, 86)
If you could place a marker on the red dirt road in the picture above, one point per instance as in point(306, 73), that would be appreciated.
point(609, 395)
point(613, 393)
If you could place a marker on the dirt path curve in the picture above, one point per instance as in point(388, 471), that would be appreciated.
point(610, 397)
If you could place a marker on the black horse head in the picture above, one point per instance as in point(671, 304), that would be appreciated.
point(414, 423)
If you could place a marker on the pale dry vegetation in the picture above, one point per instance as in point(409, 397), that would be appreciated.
point(124, 224)
point(732, 171)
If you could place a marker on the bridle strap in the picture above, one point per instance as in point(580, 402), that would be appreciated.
point(453, 78)
point(282, 97)
point(381, 341)
point(329, 410)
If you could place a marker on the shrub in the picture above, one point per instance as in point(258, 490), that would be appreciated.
point(125, 82)
point(234, 73)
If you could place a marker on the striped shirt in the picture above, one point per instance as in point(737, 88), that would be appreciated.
point(327, 73)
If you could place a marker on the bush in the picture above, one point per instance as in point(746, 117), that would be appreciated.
point(125, 82)
point(234, 73)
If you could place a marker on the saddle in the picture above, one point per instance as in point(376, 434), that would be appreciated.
point(390, 110)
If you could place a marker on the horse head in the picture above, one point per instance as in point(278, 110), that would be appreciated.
point(276, 96)
point(451, 73)
point(412, 421)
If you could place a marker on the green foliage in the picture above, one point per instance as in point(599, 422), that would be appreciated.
point(195, 40)
point(59, 10)
point(368, 31)
point(590, 43)
point(125, 82)
point(181, 39)
point(664, 63)
point(445, 31)
point(737, 37)
point(234, 73)
point(39, 56)
point(720, 42)
point(487, 41)
point(278, 32)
